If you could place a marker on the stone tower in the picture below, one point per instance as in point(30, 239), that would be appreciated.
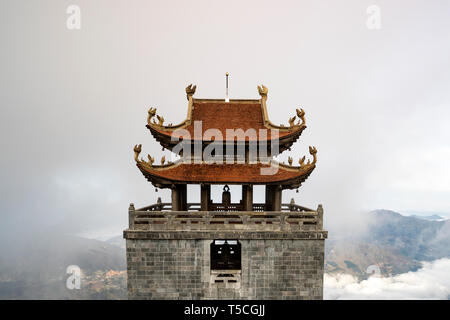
point(225, 250)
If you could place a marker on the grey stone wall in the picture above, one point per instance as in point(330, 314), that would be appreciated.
point(180, 269)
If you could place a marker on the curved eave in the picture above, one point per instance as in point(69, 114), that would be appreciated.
point(165, 176)
point(285, 140)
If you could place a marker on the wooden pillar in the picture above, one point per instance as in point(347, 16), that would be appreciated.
point(205, 196)
point(175, 199)
point(248, 203)
point(179, 197)
point(183, 197)
point(277, 193)
point(247, 197)
point(269, 198)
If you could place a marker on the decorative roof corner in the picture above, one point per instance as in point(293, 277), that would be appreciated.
point(149, 164)
point(263, 91)
point(158, 123)
point(190, 91)
point(302, 165)
point(151, 115)
point(137, 150)
point(299, 126)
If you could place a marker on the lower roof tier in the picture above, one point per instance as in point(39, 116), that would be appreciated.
point(272, 173)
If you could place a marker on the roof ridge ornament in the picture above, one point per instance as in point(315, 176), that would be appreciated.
point(151, 114)
point(150, 160)
point(137, 150)
point(301, 121)
point(263, 91)
point(160, 120)
point(292, 122)
point(313, 152)
point(301, 116)
point(190, 90)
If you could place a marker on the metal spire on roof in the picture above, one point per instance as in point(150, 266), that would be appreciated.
point(226, 92)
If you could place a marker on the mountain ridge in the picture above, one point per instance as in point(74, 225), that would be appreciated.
point(392, 241)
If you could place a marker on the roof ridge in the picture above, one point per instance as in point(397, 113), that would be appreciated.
point(223, 100)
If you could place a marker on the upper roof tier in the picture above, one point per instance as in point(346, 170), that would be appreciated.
point(248, 115)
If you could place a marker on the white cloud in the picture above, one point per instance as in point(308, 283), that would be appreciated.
point(432, 281)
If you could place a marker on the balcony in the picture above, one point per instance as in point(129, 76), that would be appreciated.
point(159, 217)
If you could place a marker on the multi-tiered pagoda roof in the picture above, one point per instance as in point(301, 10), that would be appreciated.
point(222, 115)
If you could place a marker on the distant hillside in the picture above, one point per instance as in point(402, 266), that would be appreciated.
point(394, 242)
point(118, 241)
point(35, 268)
point(433, 217)
point(415, 238)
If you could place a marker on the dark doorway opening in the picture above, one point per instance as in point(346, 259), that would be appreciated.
point(225, 255)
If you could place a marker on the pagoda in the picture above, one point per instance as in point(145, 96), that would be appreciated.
point(225, 250)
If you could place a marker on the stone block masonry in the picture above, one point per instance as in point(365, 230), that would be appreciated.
point(275, 265)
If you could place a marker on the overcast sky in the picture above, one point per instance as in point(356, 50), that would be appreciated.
point(74, 102)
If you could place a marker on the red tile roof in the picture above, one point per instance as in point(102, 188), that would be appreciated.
point(225, 173)
point(237, 114)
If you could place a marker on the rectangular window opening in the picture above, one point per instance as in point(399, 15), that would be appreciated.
point(225, 255)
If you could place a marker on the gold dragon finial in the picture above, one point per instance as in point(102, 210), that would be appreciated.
point(137, 150)
point(160, 120)
point(292, 121)
point(163, 160)
point(301, 116)
point(190, 90)
point(150, 160)
point(313, 152)
point(151, 114)
point(263, 91)
point(290, 161)
point(301, 161)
